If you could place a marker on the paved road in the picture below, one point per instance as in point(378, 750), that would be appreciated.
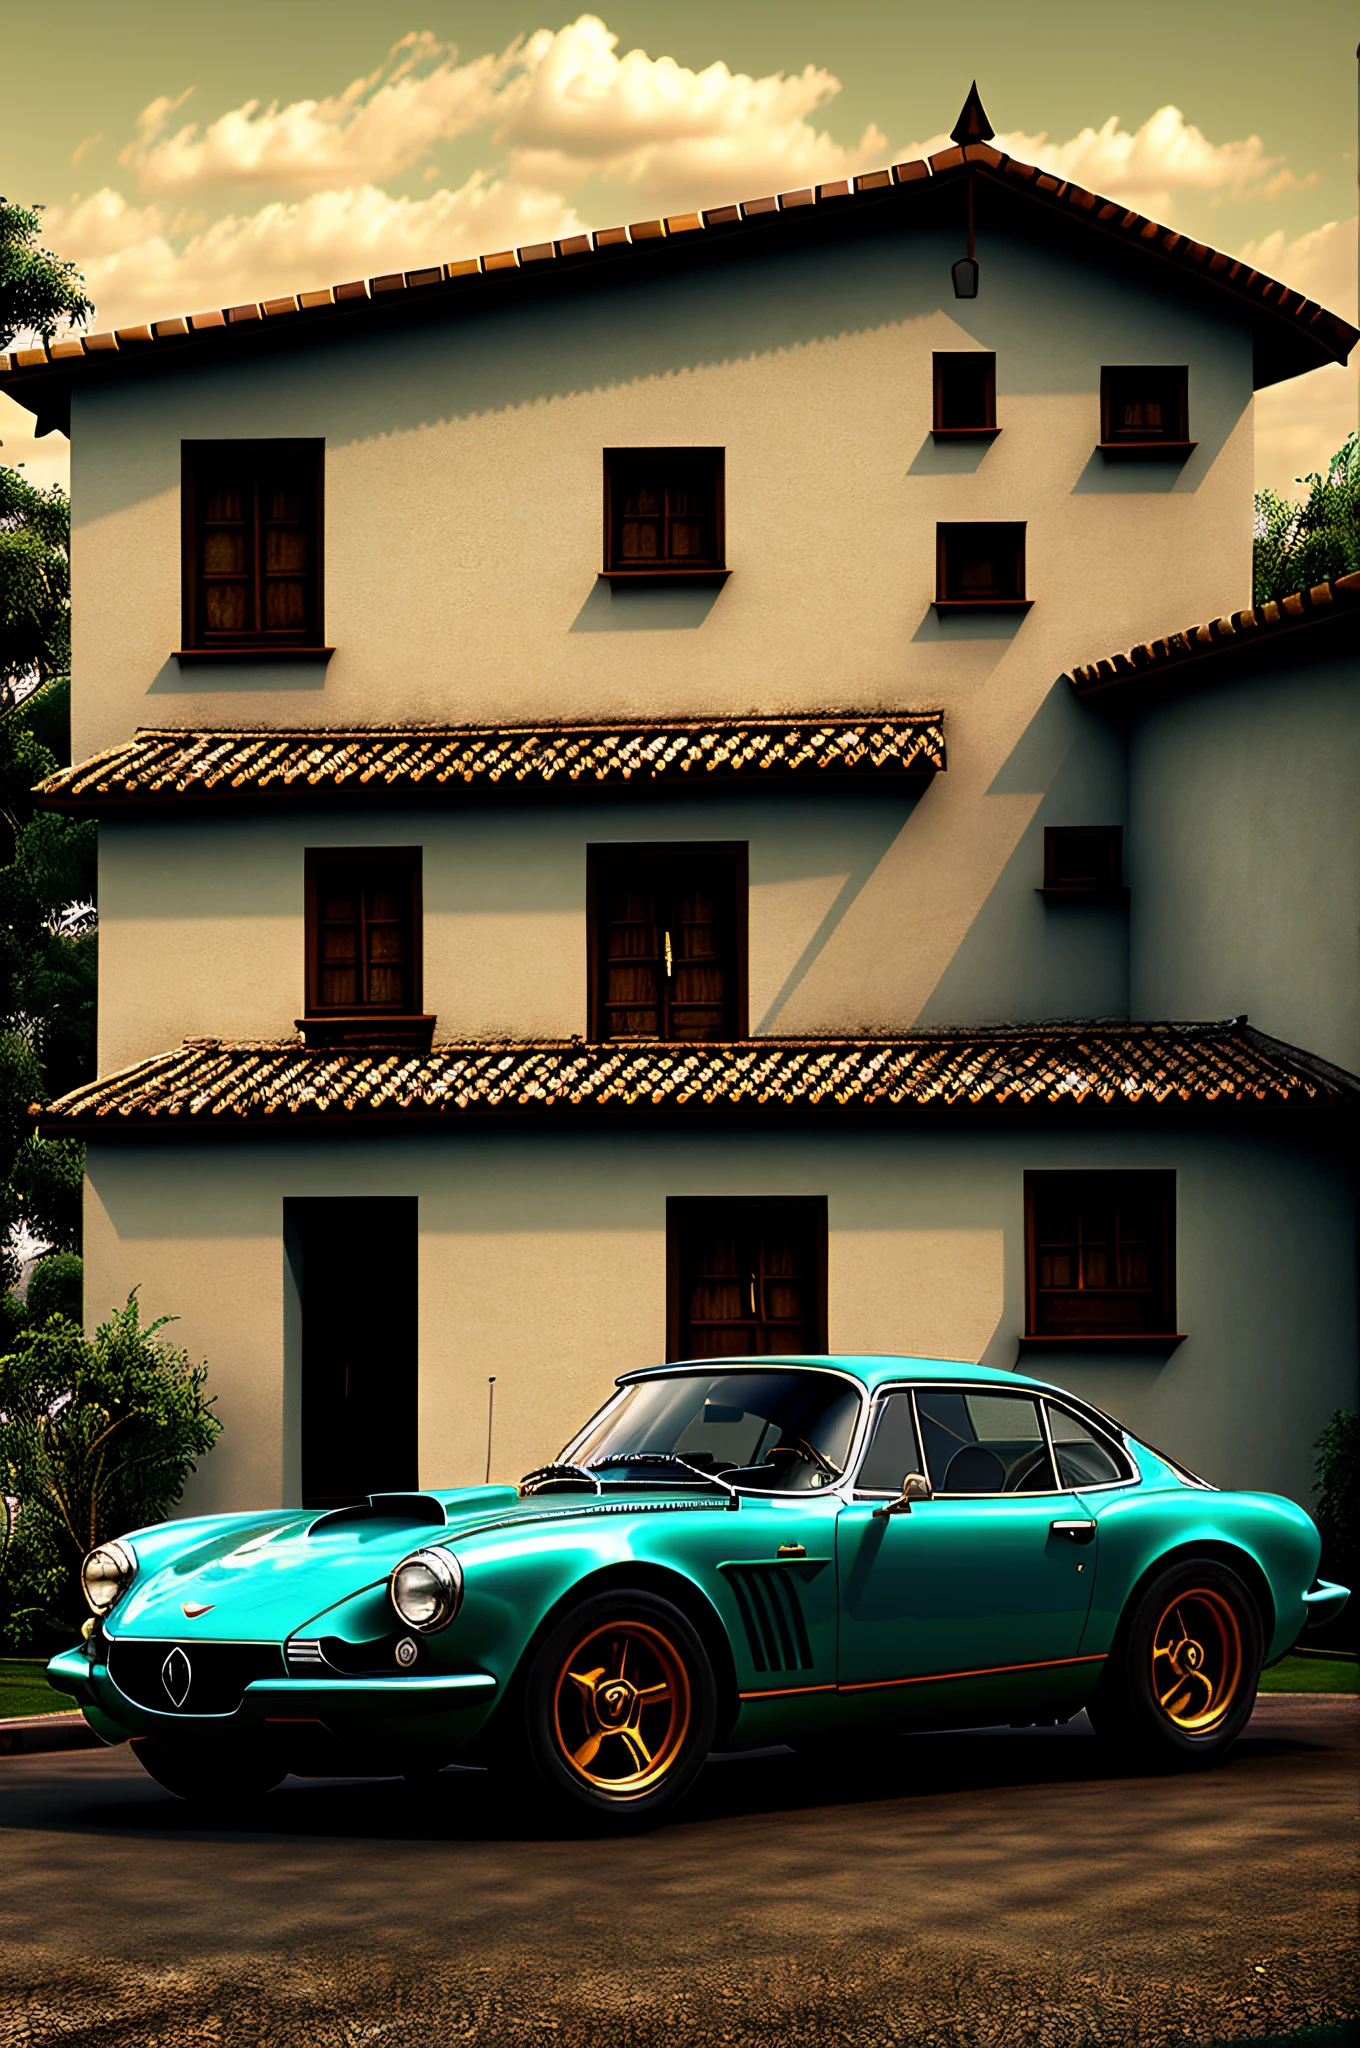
point(960, 1890)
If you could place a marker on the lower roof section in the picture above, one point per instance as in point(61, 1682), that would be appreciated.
point(210, 1087)
point(171, 769)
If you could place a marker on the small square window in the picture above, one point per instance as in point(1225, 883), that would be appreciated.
point(1100, 1254)
point(965, 393)
point(746, 1277)
point(663, 512)
point(980, 564)
point(252, 528)
point(667, 935)
point(363, 944)
point(1145, 409)
point(1084, 860)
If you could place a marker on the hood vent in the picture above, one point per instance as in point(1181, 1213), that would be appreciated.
point(416, 1510)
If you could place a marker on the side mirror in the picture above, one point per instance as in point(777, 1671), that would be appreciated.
point(914, 1487)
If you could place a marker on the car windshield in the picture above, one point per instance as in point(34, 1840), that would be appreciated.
point(780, 1432)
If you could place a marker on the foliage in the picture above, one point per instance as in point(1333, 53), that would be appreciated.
point(97, 1436)
point(35, 583)
point(56, 1287)
point(1299, 543)
point(39, 293)
point(48, 960)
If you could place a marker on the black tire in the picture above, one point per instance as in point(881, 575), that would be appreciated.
point(1180, 1682)
point(618, 1709)
point(216, 1782)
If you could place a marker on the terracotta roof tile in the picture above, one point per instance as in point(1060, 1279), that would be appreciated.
point(1300, 334)
point(1094, 1068)
point(1310, 624)
point(434, 763)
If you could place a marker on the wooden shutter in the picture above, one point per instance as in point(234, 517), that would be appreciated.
point(363, 937)
point(252, 544)
point(668, 942)
point(1100, 1254)
point(747, 1277)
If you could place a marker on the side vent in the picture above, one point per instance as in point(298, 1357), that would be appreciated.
point(772, 1615)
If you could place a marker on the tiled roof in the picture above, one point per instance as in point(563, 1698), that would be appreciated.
point(211, 1086)
point(1293, 333)
point(1309, 626)
point(434, 763)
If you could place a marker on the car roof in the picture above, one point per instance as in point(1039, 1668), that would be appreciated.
point(872, 1369)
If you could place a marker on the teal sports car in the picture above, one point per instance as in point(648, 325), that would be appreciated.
point(732, 1553)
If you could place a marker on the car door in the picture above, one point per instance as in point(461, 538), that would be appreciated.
point(993, 1573)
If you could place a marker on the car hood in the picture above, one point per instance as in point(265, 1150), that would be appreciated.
point(263, 1582)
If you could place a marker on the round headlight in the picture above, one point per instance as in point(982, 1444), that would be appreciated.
point(106, 1575)
point(426, 1589)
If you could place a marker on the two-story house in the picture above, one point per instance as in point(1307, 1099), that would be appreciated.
point(622, 833)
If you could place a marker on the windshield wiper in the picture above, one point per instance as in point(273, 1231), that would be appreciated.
point(619, 1459)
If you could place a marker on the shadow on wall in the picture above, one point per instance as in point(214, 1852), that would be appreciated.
point(618, 335)
point(171, 680)
point(1022, 957)
point(609, 609)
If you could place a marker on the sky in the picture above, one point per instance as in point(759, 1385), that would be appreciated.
point(192, 154)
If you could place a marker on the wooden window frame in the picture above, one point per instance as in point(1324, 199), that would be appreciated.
point(714, 570)
point(680, 1209)
point(1162, 1334)
point(197, 644)
point(1109, 889)
point(1172, 444)
point(360, 1023)
point(598, 859)
point(946, 597)
point(984, 429)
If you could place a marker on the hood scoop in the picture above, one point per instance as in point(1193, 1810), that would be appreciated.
point(416, 1510)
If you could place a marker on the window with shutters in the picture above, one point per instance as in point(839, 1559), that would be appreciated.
point(363, 932)
point(252, 546)
point(663, 512)
point(965, 393)
point(667, 935)
point(746, 1277)
point(980, 565)
point(1145, 410)
point(1100, 1254)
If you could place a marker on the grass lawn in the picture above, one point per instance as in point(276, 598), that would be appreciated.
point(1312, 1674)
point(24, 1689)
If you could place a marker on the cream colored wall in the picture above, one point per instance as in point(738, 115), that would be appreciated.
point(1245, 856)
point(542, 1260)
point(202, 931)
point(463, 480)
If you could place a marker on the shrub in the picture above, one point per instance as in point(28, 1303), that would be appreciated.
point(56, 1287)
point(97, 1436)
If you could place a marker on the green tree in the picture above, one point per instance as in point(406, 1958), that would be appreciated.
point(39, 292)
point(35, 585)
point(97, 1436)
point(1299, 542)
point(1337, 1493)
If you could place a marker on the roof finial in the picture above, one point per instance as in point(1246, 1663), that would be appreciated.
point(972, 124)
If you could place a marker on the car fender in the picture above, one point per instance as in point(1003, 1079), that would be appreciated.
point(1271, 1542)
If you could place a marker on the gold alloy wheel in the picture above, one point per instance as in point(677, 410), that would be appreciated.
point(621, 1708)
point(1197, 1660)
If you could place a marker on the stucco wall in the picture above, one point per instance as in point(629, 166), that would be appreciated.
point(542, 1260)
point(463, 512)
point(202, 923)
point(1245, 856)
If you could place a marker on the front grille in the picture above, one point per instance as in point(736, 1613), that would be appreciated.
point(772, 1615)
point(215, 1681)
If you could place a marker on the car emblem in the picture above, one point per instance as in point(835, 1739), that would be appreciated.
point(177, 1675)
point(191, 1609)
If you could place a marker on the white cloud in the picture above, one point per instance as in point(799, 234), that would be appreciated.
point(1167, 158)
point(377, 128)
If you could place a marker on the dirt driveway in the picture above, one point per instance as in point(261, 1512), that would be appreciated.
point(960, 1889)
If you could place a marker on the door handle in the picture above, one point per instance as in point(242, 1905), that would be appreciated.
point(1080, 1532)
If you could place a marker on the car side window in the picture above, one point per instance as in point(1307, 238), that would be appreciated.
point(892, 1450)
point(1083, 1459)
point(984, 1443)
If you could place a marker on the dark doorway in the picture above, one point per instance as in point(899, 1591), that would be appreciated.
point(354, 1267)
point(747, 1276)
